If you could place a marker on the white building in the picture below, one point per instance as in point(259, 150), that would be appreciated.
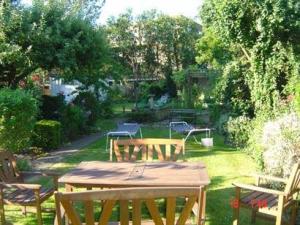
point(70, 89)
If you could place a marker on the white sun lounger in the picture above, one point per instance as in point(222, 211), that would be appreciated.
point(124, 130)
point(183, 127)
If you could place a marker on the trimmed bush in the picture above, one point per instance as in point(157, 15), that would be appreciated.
point(18, 111)
point(47, 134)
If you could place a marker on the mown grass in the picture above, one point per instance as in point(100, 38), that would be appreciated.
point(225, 165)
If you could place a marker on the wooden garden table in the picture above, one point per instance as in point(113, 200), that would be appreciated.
point(123, 174)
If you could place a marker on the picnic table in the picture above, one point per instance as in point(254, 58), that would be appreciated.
point(140, 174)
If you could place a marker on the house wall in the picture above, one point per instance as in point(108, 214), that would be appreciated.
point(57, 86)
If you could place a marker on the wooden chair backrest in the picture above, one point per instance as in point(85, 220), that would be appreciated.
point(124, 196)
point(293, 183)
point(8, 168)
point(164, 149)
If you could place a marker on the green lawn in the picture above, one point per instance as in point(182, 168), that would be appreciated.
point(224, 164)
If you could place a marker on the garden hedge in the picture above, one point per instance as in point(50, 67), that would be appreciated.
point(47, 134)
point(18, 110)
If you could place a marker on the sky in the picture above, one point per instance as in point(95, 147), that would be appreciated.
point(187, 8)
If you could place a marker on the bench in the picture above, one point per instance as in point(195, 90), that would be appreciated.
point(147, 149)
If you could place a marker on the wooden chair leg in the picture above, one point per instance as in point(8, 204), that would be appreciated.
point(280, 210)
point(236, 215)
point(2, 213)
point(294, 214)
point(236, 209)
point(38, 207)
point(39, 215)
point(253, 216)
point(203, 205)
point(24, 210)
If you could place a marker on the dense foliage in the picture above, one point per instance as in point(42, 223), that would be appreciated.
point(73, 121)
point(76, 118)
point(262, 50)
point(59, 39)
point(153, 45)
point(237, 130)
point(18, 110)
point(89, 103)
point(51, 36)
point(254, 48)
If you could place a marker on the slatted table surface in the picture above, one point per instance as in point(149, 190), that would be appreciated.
point(124, 174)
point(111, 174)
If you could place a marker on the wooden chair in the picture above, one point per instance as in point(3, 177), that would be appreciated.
point(13, 190)
point(269, 203)
point(66, 203)
point(164, 149)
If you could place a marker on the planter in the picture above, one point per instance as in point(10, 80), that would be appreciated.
point(207, 142)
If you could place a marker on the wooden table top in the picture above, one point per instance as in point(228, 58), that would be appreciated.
point(124, 174)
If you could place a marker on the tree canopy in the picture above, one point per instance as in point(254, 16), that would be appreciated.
point(153, 44)
point(51, 37)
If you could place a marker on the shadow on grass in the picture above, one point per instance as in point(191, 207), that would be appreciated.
point(219, 210)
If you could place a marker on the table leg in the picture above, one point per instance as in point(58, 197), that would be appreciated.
point(68, 188)
point(202, 206)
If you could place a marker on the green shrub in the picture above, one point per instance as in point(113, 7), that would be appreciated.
point(24, 165)
point(297, 98)
point(18, 110)
point(88, 102)
point(254, 146)
point(47, 134)
point(237, 130)
point(155, 89)
point(73, 121)
point(51, 107)
point(106, 109)
point(220, 123)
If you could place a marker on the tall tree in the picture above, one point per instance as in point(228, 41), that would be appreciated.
point(153, 44)
point(15, 61)
point(47, 36)
point(89, 10)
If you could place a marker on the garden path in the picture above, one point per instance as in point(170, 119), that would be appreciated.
point(56, 156)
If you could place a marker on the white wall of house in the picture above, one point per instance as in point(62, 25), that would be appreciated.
point(69, 90)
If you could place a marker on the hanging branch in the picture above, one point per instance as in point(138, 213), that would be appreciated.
point(245, 53)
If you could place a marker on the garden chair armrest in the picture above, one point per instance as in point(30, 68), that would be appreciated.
point(260, 189)
point(272, 178)
point(41, 173)
point(20, 186)
point(52, 174)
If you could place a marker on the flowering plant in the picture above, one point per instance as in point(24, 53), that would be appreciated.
point(281, 144)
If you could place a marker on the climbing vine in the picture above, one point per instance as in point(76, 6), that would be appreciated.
point(263, 36)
